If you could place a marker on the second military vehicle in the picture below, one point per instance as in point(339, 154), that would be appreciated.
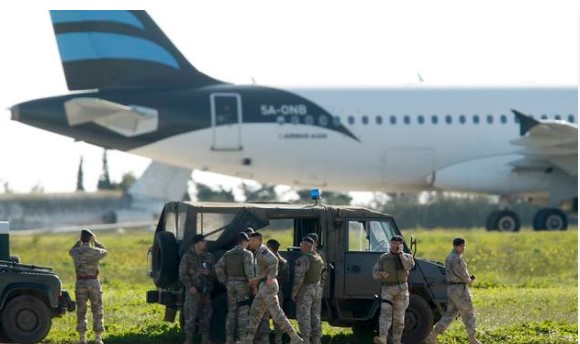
point(351, 238)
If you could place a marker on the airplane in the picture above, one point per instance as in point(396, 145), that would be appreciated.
point(134, 91)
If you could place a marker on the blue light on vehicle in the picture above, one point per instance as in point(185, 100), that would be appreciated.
point(315, 194)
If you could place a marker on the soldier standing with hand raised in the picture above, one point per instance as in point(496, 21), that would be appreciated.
point(392, 270)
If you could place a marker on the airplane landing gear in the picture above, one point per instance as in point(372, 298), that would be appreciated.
point(550, 219)
point(503, 220)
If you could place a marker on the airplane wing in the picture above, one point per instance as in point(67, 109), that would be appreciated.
point(547, 144)
point(129, 121)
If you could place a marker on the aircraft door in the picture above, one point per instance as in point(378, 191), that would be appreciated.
point(226, 121)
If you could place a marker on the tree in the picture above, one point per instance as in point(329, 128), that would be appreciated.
point(127, 181)
point(80, 186)
point(328, 197)
point(260, 193)
point(104, 180)
point(207, 194)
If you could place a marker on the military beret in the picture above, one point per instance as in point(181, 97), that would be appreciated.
point(398, 238)
point(243, 237)
point(255, 235)
point(308, 239)
point(197, 238)
point(313, 236)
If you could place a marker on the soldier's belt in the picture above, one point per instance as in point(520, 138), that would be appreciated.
point(87, 277)
point(390, 284)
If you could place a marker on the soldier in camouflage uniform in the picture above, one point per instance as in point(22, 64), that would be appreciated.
point(392, 270)
point(307, 273)
point(458, 294)
point(235, 270)
point(316, 336)
point(196, 274)
point(86, 254)
point(266, 299)
point(283, 277)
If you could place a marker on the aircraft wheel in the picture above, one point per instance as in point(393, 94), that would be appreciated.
point(550, 219)
point(508, 221)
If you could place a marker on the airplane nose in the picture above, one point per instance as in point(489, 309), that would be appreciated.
point(15, 112)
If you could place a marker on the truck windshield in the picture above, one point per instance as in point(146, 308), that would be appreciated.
point(380, 234)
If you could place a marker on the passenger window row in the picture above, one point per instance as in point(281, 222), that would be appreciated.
point(323, 120)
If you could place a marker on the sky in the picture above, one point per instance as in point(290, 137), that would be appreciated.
point(284, 44)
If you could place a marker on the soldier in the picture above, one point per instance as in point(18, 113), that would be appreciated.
point(235, 270)
point(392, 270)
point(307, 273)
point(317, 304)
point(283, 277)
point(86, 254)
point(196, 275)
point(458, 294)
point(267, 297)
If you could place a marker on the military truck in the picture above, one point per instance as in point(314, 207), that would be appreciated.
point(30, 296)
point(351, 238)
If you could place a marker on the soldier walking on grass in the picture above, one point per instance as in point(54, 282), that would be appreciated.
point(196, 274)
point(458, 294)
point(266, 299)
point(307, 272)
point(317, 304)
point(235, 270)
point(86, 254)
point(392, 270)
point(283, 278)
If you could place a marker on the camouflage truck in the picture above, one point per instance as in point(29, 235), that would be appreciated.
point(30, 296)
point(351, 238)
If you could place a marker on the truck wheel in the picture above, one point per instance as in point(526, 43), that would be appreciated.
point(418, 320)
point(165, 259)
point(26, 319)
point(219, 305)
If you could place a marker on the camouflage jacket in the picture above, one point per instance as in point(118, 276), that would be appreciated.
point(456, 269)
point(266, 263)
point(86, 257)
point(301, 267)
point(190, 271)
point(221, 270)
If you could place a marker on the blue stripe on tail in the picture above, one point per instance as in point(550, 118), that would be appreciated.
point(80, 46)
point(123, 17)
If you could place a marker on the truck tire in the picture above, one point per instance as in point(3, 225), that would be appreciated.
point(26, 319)
point(165, 259)
point(219, 305)
point(418, 320)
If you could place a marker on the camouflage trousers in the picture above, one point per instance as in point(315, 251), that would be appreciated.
point(459, 303)
point(238, 315)
point(317, 309)
point(263, 331)
point(266, 300)
point(196, 307)
point(395, 313)
point(306, 315)
point(89, 290)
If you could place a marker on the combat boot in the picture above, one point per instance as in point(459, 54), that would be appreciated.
point(99, 338)
point(188, 338)
point(380, 340)
point(82, 337)
point(472, 339)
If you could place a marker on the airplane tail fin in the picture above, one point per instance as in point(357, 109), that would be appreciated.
point(161, 183)
point(120, 49)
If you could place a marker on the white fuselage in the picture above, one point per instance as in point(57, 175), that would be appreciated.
point(440, 152)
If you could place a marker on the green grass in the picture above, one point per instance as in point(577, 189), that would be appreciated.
point(526, 290)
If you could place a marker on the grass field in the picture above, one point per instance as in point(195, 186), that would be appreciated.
point(526, 290)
